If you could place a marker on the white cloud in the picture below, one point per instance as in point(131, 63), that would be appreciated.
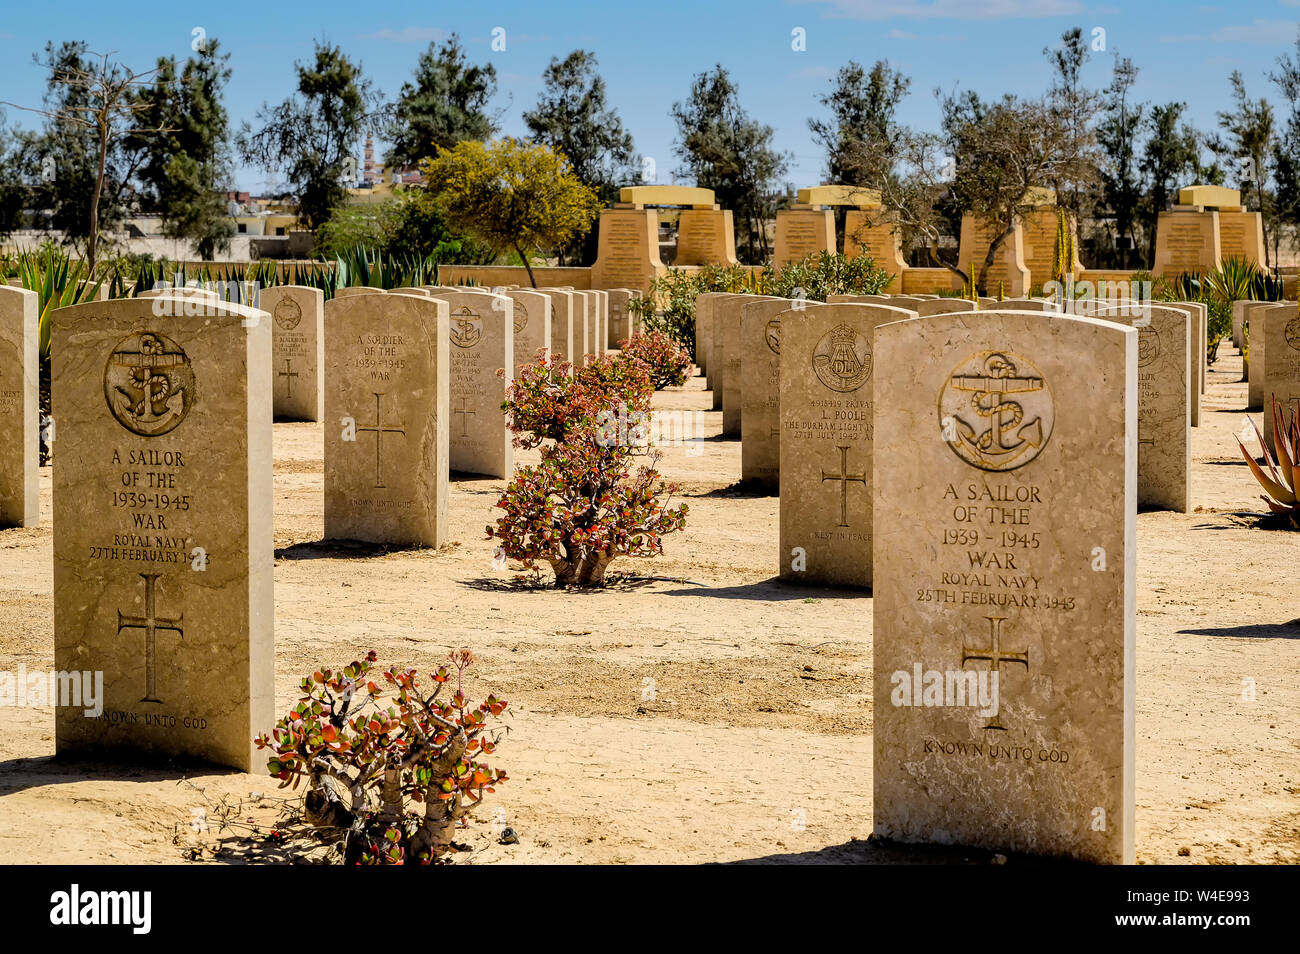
point(1259, 31)
point(950, 9)
point(411, 34)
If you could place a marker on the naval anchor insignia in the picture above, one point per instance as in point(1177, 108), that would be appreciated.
point(1148, 346)
point(287, 314)
point(466, 328)
point(148, 383)
point(1000, 408)
point(842, 359)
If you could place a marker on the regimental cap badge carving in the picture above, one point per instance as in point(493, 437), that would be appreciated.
point(1292, 333)
point(287, 313)
point(772, 335)
point(148, 383)
point(1000, 408)
point(521, 316)
point(842, 359)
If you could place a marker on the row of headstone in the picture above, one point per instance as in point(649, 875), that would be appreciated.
point(745, 353)
point(1007, 467)
point(1261, 324)
point(163, 483)
point(165, 424)
point(999, 438)
point(1275, 363)
point(603, 320)
point(297, 315)
point(298, 367)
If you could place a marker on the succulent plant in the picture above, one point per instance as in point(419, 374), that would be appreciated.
point(1283, 468)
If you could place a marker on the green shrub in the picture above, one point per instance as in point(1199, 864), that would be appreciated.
point(669, 308)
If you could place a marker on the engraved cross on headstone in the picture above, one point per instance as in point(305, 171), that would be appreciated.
point(465, 415)
point(994, 656)
point(844, 477)
point(151, 623)
point(288, 374)
point(380, 430)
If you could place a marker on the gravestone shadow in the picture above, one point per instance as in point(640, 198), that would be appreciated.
point(878, 851)
point(344, 550)
point(1288, 630)
point(774, 589)
point(466, 477)
point(740, 489)
point(21, 774)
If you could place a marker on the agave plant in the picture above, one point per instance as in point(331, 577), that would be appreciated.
point(1233, 280)
point(1279, 482)
point(372, 268)
point(58, 283)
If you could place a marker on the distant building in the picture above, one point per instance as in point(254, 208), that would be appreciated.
point(371, 173)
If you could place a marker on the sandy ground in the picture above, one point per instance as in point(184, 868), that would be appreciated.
point(757, 743)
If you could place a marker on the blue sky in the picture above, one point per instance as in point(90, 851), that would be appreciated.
point(648, 52)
